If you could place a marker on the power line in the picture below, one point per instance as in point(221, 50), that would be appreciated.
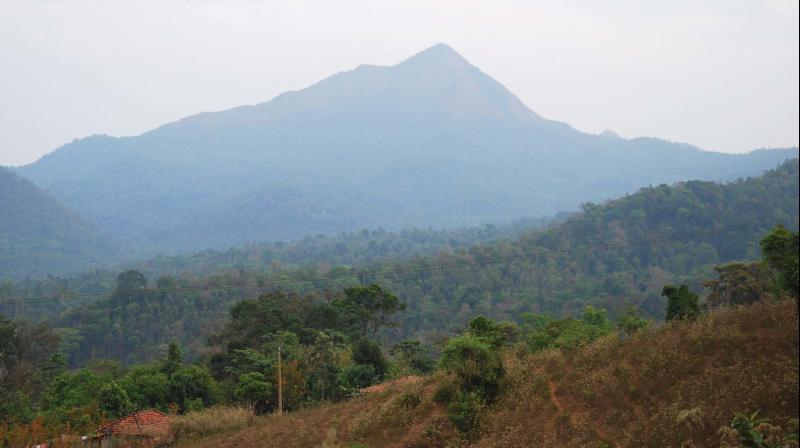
point(398, 270)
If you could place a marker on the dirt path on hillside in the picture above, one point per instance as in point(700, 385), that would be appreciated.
point(553, 397)
point(411, 379)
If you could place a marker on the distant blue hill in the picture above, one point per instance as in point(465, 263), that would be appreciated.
point(431, 141)
point(39, 236)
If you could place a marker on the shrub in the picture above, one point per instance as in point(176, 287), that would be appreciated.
point(630, 321)
point(752, 432)
point(409, 400)
point(193, 404)
point(568, 333)
point(444, 393)
point(358, 376)
point(414, 356)
point(464, 411)
point(476, 364)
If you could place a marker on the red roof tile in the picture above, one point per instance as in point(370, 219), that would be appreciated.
point(151, 423)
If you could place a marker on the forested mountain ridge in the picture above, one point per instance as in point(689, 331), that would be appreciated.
point(319, 252)
point(431, 141)
point(610, 255)
point(348, 248)
point(40, 236)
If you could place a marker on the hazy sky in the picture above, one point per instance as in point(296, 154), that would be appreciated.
point(722, 75)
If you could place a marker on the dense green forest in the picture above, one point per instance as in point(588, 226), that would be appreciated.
point(351, 249)
point(346, 248)
point(42, 297)
point(611, 255)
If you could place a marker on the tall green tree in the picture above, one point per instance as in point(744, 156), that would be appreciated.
point(147, 387)
point(366, 352)
point(191, 384)
point(174, 359)
point(781, 249)
point(738, 284)
point(681, 303)
point(130, 281)
point(368, 308)
point(253, 387)
point(113, 400)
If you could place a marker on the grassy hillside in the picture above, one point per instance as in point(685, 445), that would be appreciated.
point(675, 385)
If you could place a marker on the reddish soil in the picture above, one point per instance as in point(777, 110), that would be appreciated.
point(406, 380)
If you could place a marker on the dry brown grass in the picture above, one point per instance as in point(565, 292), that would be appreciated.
point(217, 419)
point(666, 387)
point(411, 379)
point(670, 386)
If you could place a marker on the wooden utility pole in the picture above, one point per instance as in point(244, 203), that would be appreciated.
point(280, 384)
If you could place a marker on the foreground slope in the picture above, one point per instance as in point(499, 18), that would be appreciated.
point(431, 141)
point(675, 385)
point(38, 235)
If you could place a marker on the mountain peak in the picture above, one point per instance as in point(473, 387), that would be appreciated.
point(438, 55)
point(609, 134)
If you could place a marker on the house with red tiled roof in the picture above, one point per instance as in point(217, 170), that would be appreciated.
point(141, 429)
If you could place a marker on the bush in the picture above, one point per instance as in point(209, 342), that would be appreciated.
point(630, 321)
point(193, 404)
point(476, 364)
point(568, 333)
point(444, 393)
point(358, 376)
point(750, 432)
point(464, 411)
point(412, 355)
point(409, 400)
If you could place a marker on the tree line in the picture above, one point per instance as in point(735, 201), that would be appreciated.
point(610, 256)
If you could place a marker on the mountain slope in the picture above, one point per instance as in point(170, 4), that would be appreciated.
point(610, 255)
point(38, 235)
point(431, 141)
point(677, 385)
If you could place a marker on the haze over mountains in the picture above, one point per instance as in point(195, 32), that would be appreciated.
point(38, 235)
point(431, 141)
